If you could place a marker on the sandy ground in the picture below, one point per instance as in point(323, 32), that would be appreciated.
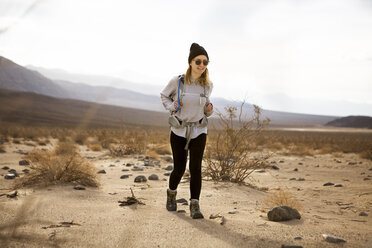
point(103, 223)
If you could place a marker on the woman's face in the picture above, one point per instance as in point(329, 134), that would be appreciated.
point(199, 64)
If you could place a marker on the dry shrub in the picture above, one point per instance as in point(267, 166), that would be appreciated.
point(65, 148)
point(152, 154)
point(367, 154)
point(300, 150)
point(229, 158)
point(63, 165)
point(16, 141)
point(281, 198)
point(2, 149)
point(80, 138)
point(95, 147)
point(162, 149)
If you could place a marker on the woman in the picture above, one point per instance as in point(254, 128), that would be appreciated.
point(187, 98)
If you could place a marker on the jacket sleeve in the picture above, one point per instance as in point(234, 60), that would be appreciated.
point(168, 94)
point(209, 94)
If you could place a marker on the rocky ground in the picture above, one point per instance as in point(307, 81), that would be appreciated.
point(61, 216)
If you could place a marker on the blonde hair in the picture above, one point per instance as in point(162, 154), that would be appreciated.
point(203, 80)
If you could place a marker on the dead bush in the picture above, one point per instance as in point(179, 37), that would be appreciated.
point(63, 165)
point(2, 149)
point(281, 198)
point(80, 138)
point(162, 149)
point(229, 157)
point(95, 147)
point(65, 148)
point(367, 154)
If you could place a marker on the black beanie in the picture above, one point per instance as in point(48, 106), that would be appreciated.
point(196, 50)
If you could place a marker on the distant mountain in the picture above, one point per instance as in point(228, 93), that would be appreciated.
point(352, 121)
point(16, 77)
point(96, 80)
point(34, 109)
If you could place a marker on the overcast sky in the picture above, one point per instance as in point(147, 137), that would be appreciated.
point(268, 52)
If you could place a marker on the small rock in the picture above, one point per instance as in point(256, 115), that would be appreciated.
point(366, 179)
point(169, 168)
point(181, 200)
point(101, 172)
point(164, 179)
point(301, 179)
point(233, 212)
point(298, 238)
point(338, 161)
point(168, 159)
point(140, 179)
point(328, 184)
point(295, 169)
point(26, 171)
point(300, 163)
point(363, 214)
point(274, 167)
point(317, 165)
point(5, 168)
point(292, 246)
point(124, 170)
point(12, 195)
point(124, 176)
point(129, 165)
point(153, 177)
point(140, 157)
point(260, 171)
point(370, 169)
point(167, 173)
point(117, 161)
point(90, 157)
point(137, 168)
point(181, 211)
point(292, 179)
point(333, 239)
point(9, 176)
point(338, 185)
point(352, 163)
point(281, 161)
point(12, 171)
point(112, 165)
point(79, 187)
point(283, 213)
point(273, 162)
point(23, 162)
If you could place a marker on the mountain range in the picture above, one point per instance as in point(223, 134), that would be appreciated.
point(14, 77)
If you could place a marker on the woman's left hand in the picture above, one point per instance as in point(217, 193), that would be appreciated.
point(209, 107)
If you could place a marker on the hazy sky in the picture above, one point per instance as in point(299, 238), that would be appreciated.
point(265, 51)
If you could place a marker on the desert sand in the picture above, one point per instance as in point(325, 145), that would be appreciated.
point(98, 220)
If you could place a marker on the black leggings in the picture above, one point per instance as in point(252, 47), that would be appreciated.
point(196, 147)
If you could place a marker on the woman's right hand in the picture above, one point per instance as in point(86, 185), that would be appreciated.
point(176, 104)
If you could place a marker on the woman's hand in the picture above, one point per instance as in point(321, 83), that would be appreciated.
point(176, 104)
point(209, 107)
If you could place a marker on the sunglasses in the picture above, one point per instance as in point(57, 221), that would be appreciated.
point(199, 61)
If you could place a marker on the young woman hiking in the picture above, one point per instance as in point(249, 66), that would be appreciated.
point(187, 98)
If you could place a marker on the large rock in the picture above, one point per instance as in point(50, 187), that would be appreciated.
point(283, 213)
point(23, 162)
point(153, 177)
point(140, 179)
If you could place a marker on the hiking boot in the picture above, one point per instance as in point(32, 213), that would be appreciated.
point(171, 200)
point(195, 210)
